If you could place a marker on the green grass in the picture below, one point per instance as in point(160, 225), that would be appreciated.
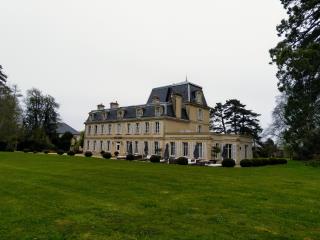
point(62, 197)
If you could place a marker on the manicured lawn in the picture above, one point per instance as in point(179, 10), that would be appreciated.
point(62, 197)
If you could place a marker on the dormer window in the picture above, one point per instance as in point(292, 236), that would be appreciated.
point(139, 112)
point(158, 111)
point(199, 97)
point(155, 100)
point(120, 114)
point(104, 115)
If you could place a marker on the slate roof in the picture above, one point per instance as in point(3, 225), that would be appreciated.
point(63, 128)
point(186, 89)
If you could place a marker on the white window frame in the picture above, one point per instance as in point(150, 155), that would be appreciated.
point(185, 149)
point(147, 125)
point(172, 148)
point(157, 127)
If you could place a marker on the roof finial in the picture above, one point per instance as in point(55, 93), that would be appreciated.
point(186, 77)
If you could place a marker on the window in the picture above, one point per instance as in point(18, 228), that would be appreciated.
point(158, 111)
point(200, 150)
point(129, 128)
point(95, 129)
point(216, 155)
point(229, 150)
point(137, 128)
point(147, 127)
point(102, 129)
point(185, 149)
point(200, 114)
point(172, 148)
point(120, 114)
point(139, 112)
point(88, 145)
point(146, 148)
point(101, 145)
point(136, 147)
point(199, 97)
point(246, 151)
point(157, 127)
point(94, 145)
point(199, 128)
point(129, 144)
point(108, 145)
point(118, 144)
point(156, 147)
point(89, 130)
point(119, 128)
point(109, 128)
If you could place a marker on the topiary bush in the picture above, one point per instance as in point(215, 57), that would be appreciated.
point(228, 162)
point(88, 154)
point(60, 152)
point(155, 159)
point(130, 157)
point(102, 152)
point(107, 155)
point(182, 161)
point(116, 153)
point(71, 153)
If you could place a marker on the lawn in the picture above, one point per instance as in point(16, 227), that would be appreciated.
point(61, 197)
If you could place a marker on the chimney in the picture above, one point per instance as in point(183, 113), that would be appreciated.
point(177, 104)
point(100, 107)
point(114, 105)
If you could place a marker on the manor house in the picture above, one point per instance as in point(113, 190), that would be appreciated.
point(175, 117)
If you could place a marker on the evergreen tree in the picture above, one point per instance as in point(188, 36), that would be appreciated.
point(217, 119)
point(297, 57)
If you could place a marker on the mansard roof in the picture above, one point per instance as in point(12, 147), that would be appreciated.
point(186, 89)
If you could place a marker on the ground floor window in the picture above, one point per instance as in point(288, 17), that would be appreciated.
point(246, 151)
point(172, 148)
point(101, 145)
point(156, 147)
point(146, 148)
point(108, 145)
point(185, 149)
point(94, 145)
point(228, 150)
point(136, 147)
point(200, 150)
point(88, 145)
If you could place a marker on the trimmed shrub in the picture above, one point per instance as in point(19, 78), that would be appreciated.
point(107, 155)
point(102, 152)
point(228, 162)
point(182, 161)
point(130, 157)
point(155, 159)
point(26, 150)
point(71, 153)
point(246, 163)
point(60, 152)
point(88, 154)
point(257, 162)
point(116, 153)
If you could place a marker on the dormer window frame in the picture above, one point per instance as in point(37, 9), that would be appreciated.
point(105, 115)
point(120, 114)
point(199, 97)
point(139, 112)
point(158, 111)
point(156, 100)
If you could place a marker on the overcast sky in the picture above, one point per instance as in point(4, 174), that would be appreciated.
point(86, 52)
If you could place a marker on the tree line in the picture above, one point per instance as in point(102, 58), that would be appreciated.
point(33, 127)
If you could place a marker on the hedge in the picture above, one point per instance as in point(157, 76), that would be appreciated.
point(257, 162)
point(88, 154)
point(107, 155)
point(155, 159)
